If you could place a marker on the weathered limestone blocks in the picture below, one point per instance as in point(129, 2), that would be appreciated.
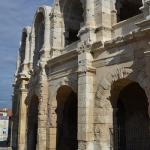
point(101, 53)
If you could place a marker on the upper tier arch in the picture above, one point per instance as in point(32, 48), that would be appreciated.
point(40, 34)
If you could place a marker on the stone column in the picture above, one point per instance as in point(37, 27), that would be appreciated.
point(106, 17)
point(90, 13)
point(15, 118)
point(22, 118)
point(52, 118)
point(43, 87)
point(86, 93)
point(42, 114)
point(87, 31)
point(47, 34)
point(146, 9)
point(57, 26)
point(52, 131)
point(17, 65)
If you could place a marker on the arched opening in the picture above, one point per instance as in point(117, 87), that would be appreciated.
point(39, 27)
point(23, 47)
point(72, 11)
point(131, 123)
point(127, 8)
point(22, 50)
point(66, 119)
point(32, 124)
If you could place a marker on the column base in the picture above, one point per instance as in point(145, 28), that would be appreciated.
point(22, 147)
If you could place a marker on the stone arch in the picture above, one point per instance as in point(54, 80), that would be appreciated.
point(24, 47)
point(53, 101)
point(116, 80)
point(40, 35)
point(68, 82)
point(73, 16)
point(32, 123)
point(103, 90)
point(130, 107)
point(133, 7)
point(66, 111)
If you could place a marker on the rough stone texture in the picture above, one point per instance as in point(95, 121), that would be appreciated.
point(103, 57)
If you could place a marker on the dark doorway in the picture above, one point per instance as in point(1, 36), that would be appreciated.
point(127, 8)
point(66, 119)
point(131, 120)
point(32, 125)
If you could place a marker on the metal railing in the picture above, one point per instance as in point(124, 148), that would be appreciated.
point(135, 139)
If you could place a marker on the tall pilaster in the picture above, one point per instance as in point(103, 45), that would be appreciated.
point(146, 8)
point(86, 92)
point(42, 114)
point(22, 117)
point(57, 30)
point(52, 130)
point(105, 17)
point(87, 31)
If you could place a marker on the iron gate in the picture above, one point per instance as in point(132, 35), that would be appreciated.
point(134, 140)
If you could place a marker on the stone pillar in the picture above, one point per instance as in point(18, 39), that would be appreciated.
point(146, 9)
point(105, 17)
point(43, 86)
point(52, 131)
point(17, 65)
point(113, 12)
point(22, 118)
point(90, 13)
point(57, 27)
point(52, 118)
point(42, 114)
point(86, 94)
point(87, 31)
point(15, 118)
point(47, 31)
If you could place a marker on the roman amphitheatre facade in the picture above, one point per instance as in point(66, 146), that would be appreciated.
point(83, 77)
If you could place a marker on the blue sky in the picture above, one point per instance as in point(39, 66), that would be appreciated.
point(14, 15)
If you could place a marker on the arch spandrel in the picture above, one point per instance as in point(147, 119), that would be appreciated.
point(125, 74)
point(108, 92)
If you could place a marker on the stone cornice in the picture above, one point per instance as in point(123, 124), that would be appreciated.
point(62, 58)
point(144, 24)
point(129, 38)
point(23, 90)
point(23, 76)
point(103, 28)
point(123, 40)
point(87, 70)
